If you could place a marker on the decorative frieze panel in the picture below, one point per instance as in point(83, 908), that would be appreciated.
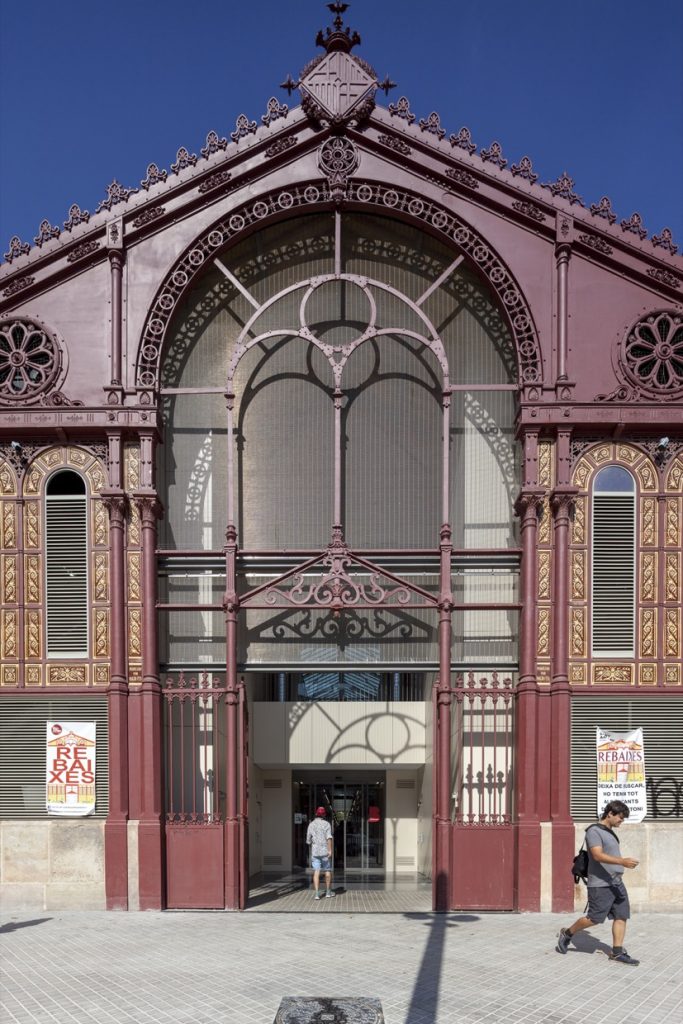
point(67, 675)
point(648, 633)
point(32, 623)
point(77, 457)
point(8, 640)
point(32, 579)
point(101, 632)
point(96, 477)
point(672, 675)
point(134, 632)
point(34, 675)
point(543, 631)
point(619, 674)
point(647, 675)
point(134, 534)
point(673, 522)
point(100, 524)
point(672, 577)
point(648, 576)
point(674, 479)
point(101, 576)
point(603, 453)
point(577, 673)
point(10, 675)
point(9, 579)
point(648, 522)
point(9, 525)
point(134, 576)
point(544, 575)
point(34, 480)
point(582, 474)
point(578, 526)
point(31, 524)
point(53, 457)
point(578, 575)
point(101, 675)
point(578, 632)
point(545, 523)
point(647, 477)
point(8, 483)
point(545, 464)
point(132, 467)
point(672, 633)
point(627, 454)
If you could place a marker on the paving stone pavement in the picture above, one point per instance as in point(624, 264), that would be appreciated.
point(62, 967)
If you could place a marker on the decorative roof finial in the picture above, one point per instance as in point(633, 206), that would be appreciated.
point(338, 37)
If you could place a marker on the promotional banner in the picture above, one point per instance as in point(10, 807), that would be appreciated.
point(621, 771)
point(70, 764)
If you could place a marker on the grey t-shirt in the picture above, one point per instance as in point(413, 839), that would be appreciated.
point(602, 875)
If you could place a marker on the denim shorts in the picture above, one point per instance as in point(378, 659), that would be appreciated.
point(608, 901)
point(321, 863)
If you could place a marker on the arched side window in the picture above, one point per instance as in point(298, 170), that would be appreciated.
point(66, 565)
point(613, 564)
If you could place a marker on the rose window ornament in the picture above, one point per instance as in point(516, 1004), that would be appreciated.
point(30, 361)
point(338, 159)
point(652, 353)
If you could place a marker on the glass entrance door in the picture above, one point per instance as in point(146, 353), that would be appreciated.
point(355, 811)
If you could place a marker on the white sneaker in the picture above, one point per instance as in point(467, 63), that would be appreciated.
point(317, 896)
point(329, 893)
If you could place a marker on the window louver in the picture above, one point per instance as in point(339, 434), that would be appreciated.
point(613, 575)
point(67, 576)
point(661, 719)
point(22, 750)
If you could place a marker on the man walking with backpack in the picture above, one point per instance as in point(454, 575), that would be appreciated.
point(607, 894)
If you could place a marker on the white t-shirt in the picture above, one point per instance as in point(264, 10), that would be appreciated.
point(317, 834)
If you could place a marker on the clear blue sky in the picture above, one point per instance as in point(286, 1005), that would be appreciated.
point(92, 91)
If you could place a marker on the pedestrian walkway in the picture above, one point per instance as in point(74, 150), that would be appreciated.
point(222, 968)
point(354, 894)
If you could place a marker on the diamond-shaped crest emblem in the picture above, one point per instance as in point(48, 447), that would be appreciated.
point(338, 84)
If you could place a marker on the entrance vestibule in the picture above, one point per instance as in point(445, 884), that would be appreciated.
point(355, 806)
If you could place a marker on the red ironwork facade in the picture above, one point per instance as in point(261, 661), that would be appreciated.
point(350, 237)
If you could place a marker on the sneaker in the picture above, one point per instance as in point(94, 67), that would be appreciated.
point(317, 896)
point(563, 940)
point(329, 893)
point(624, 958)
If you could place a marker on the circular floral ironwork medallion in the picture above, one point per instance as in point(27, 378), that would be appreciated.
point(652, 353)
point(30, 360)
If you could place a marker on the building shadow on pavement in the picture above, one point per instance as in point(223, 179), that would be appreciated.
point(424, 999)
point(13, 926)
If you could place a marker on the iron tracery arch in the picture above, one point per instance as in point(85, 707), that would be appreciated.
point(364, 196)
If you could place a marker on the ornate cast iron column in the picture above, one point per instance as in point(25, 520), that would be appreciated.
point(116, 261)
point(562, 501)
point(441, 885)
point(116, 825)
point(527, 825)
point(151, 827)
point(234, 770)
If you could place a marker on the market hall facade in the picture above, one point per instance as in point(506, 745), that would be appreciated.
point(341, 465)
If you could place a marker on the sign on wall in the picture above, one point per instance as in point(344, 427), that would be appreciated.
point(70, 766)
point(621, 771)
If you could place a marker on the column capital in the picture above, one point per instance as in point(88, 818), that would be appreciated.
point(562, 501)
point(149, 506)
point(117, 504)
point(529, 500)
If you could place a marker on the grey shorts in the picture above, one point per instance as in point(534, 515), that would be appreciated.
point(608, 901)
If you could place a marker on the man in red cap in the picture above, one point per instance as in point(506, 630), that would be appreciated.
point(319, 838)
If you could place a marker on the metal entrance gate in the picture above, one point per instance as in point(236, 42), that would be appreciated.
point(483, 842)
point(197, 775)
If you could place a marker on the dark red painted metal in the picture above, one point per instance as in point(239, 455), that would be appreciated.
point(562, 500)
point(116, 825)
point(150, 829)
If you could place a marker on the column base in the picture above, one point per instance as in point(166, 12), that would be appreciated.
point(563, 842)
point(152, 874)
point(116, 864)
point(528, 867)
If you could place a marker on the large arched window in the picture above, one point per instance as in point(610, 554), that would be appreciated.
point(66, 565)
point(613, 563)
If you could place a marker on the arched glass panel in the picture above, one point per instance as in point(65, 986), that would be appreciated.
point(614, 479)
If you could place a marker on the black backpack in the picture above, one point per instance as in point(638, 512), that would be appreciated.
point(580, 862)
